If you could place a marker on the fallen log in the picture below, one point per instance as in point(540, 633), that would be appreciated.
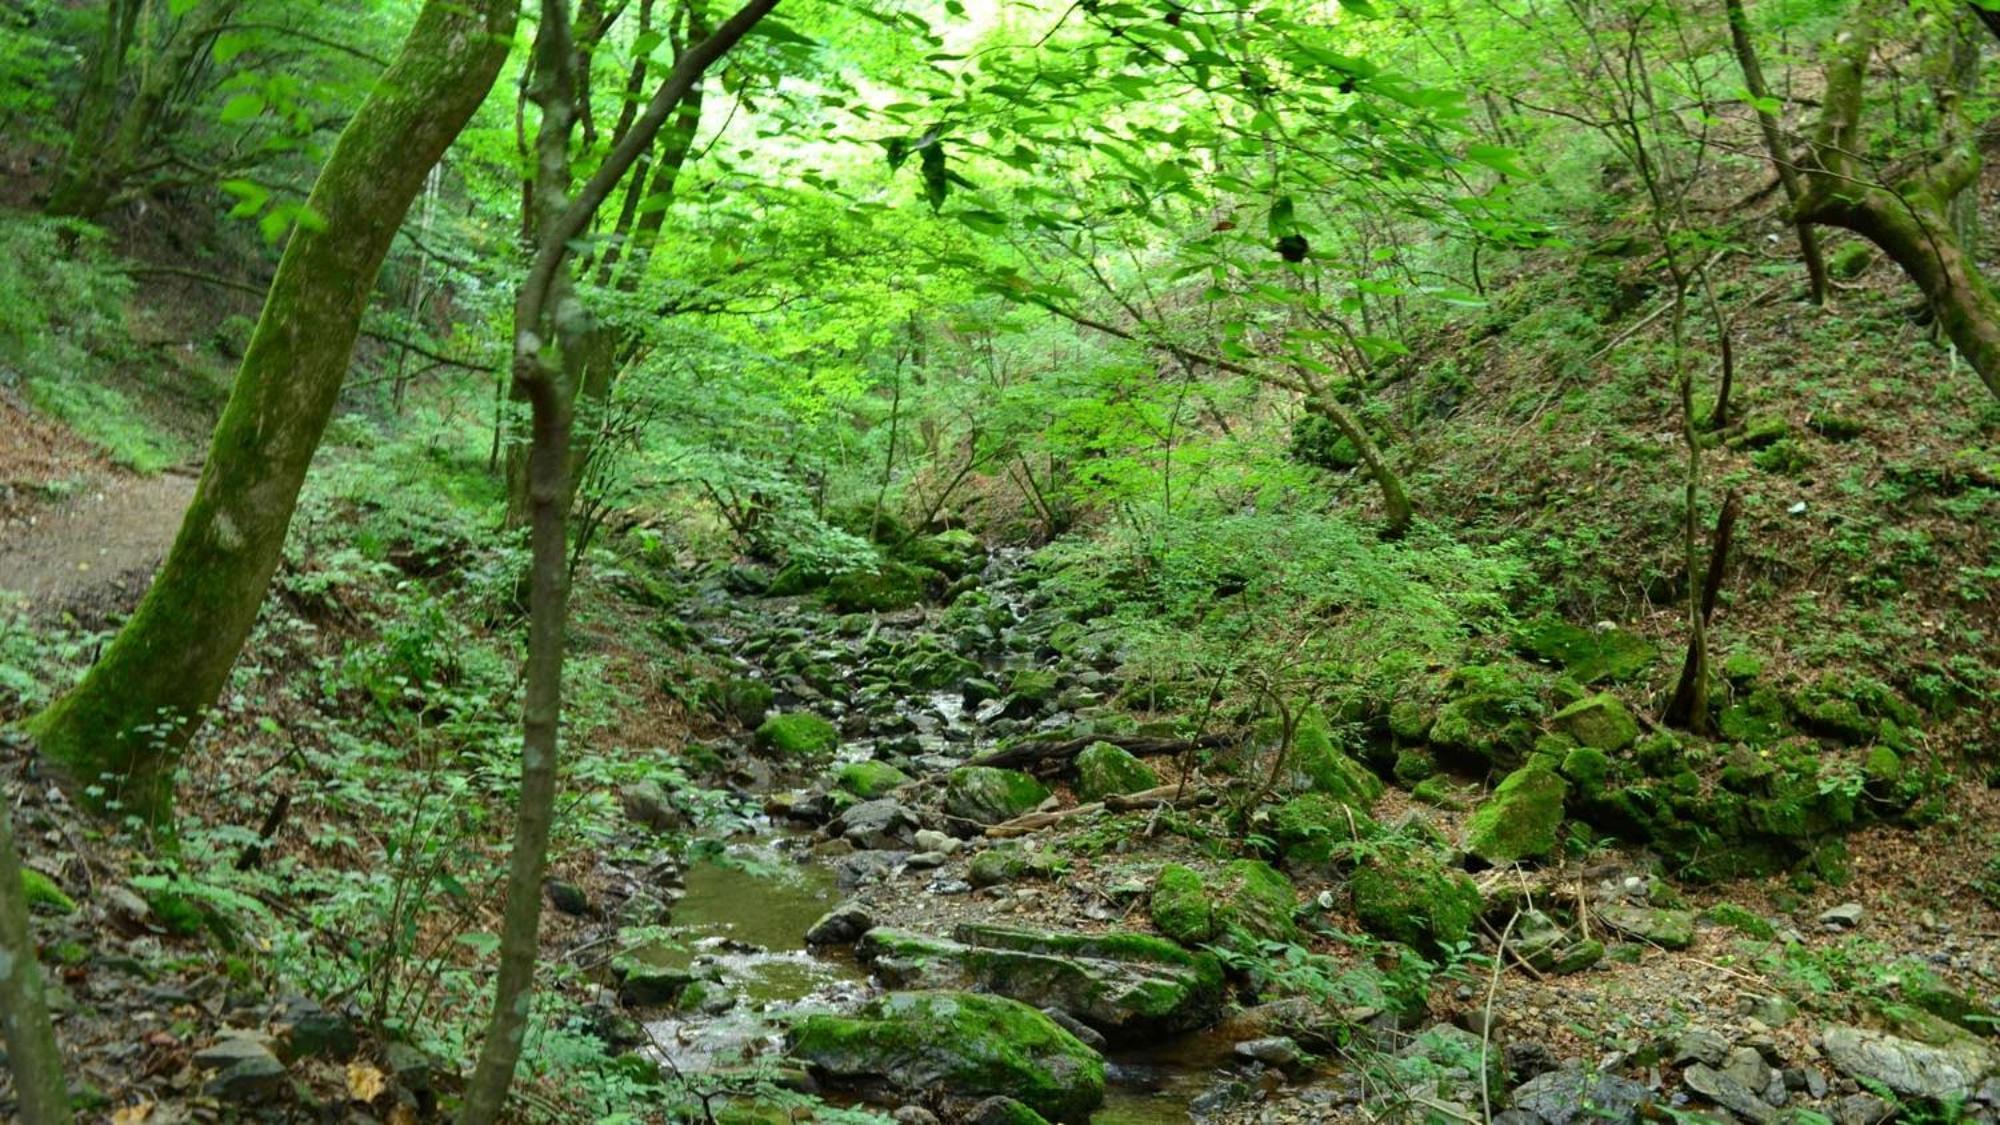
point(1055, 755)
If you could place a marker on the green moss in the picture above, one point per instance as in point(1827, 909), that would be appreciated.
point(1414, 899)
point(954, 553)
point(1410, 721)
point(1438, 791)
point(797, 732)
point(1600, 722)
point(1313, 828)
point(1327, 770)
point(998, 865)
point(1742, 920)
point(869, 780)
point(1851, 259)
point(1756, 719)
point(1247, 899)
point(1491, 715)
point(1589, 769)
point(746, 701)
point(1520, 820)
point(1033, 685)
point(1414, 765)
point(1103, 770)
point(957, 1043)
point(43, 893)
point(1589, 655)
point(891, 586)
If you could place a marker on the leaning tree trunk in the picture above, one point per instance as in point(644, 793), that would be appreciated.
point(24, 1018)
point(118, 734)
point(1906, 211)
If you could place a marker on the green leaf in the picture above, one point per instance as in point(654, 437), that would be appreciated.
point(241, 108)
point(1283, 221)
point(780, 32)
point(1359, 7)
point(1500, 159)
point(985, 222)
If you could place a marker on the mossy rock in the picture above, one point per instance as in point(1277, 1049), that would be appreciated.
point(1033, 685)
point(1312, 829)
point(960, 1044)
point(869, 780)
point(1410, 721)
point(1414, 765)
point(1439, 792)
point(1666, 928)
point(1007, 864)
point(1587, 655)
point(797, 733)
point(1589, 769)
point(1247, 899)
point(1520, 820)
point(1741, 919)
point(987, 795)
point(1850, 260)
point(796, 578)
point(1103, 770)
point(1761, 431)
point(954, 553)
point(1600, 722)
point(43, 894)
point(1491, 716)
point(1324, 768)
point(1756, 719)
point(744, 700)
point(889, 587)
point(1414, 899)
point(927, 668)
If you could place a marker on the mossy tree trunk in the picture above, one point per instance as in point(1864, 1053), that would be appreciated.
point(1904, 209)
point(118, 734)
point(24, 1018)
point(548, 322)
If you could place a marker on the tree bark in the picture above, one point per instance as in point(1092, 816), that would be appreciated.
point(548, 320)
point(24, 1017)
point(1774, 143)
point(1906, 211)
point(118, 734)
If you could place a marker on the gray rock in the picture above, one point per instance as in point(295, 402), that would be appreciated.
point(233, 1047)
point(914, 1115)
point(248, 1080)
point(1700, 1045)
point(1090, 1036)
point(568, 898)
point(1729, 1092)
point(1279, 1051)
point(1771, 1011)
point(1910, 1068)
point(926, 861)
point(1000, 1110)
point(866, 867)
point(1860, 1109)
point(1563, 1097)
point(882, 823)
point(1668, 929)
point(1846, 916)
point(841, 925)
point(931, 840)
point(315, 1032)
point(1746, 1065)
point(646, 804)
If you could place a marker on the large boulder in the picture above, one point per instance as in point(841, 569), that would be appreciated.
point(1127, 986)
point(1947, 1072)
point(988, 795)
point(960, 1044)
point(1103, 770)
point(1519, 821)
point(1666, 928)
point(1322, 767)
point(1247, 899)
point(1414, 899)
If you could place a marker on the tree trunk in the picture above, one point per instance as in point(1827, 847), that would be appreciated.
point(1910, 216)
point(24, 1018)
point(548, 321)
point(123, 727)
point(1774, 144)
point(94, 175)
point(1396, 509)
point(91, 130)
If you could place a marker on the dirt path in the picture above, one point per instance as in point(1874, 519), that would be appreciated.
point(76, 532)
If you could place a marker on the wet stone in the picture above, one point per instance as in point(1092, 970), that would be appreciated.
point(841, 925)
point(1563, 1097)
